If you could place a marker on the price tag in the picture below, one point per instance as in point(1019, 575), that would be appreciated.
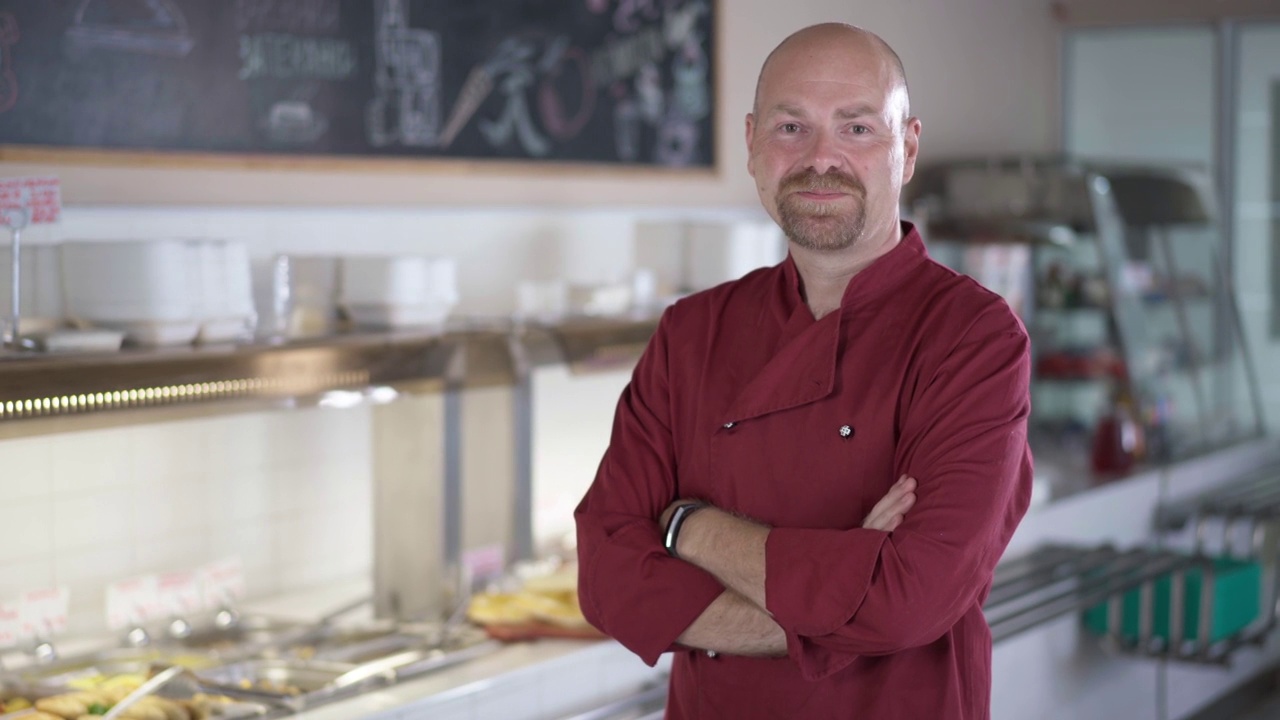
point(30, 200)
point(178, 593)
point(44, 612)
point(10, 625)
point(132, 602)
point(223, 582)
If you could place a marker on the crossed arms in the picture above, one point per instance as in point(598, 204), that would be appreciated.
point(733, 551)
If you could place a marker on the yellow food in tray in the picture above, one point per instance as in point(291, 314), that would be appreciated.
point(95, 703)
point(556, 607)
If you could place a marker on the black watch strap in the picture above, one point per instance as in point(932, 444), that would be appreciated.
point(672, 534)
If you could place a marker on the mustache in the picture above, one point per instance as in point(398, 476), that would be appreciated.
point(809, 180)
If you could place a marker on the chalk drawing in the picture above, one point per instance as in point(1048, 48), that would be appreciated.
point(551, 105)
point(514, 59)
point(294, 122)
point(689, 69)
point(101, 24)
point(677, 140)
point(406, 104)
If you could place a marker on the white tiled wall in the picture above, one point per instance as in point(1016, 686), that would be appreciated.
point(287, 492)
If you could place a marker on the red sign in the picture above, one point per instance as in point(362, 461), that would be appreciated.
point(41, 196)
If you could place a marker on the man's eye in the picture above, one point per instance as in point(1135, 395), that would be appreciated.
point(860, 129)
point(790, 128)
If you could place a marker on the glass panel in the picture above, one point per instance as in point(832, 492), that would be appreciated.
point(1143, 94)
point(1257, 205)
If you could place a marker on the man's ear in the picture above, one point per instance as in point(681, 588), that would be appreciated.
point(751, 132)
point(911, 148)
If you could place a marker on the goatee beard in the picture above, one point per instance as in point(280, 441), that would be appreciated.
point(821, 225)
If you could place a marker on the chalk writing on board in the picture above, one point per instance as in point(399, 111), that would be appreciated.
point(8, 81)
point(289, 16)
point(279, 56)
point(405, 108)
point(155, 27)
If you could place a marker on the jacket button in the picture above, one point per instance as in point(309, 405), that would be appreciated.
point(729, 425)
point(846, 431)
point(712, 654)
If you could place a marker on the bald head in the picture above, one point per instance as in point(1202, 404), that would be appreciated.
point(822, 40)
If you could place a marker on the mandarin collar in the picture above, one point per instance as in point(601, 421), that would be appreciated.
point(876, 280)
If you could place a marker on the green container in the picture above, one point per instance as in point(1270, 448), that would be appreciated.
point(1236, 590)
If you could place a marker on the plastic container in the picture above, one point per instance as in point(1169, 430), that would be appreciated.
point(398, 290)
point(1236, 593)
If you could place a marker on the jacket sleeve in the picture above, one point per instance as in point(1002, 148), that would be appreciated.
point(628, 586)
point(963, 436)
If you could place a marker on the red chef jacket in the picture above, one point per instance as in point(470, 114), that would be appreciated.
point(743, 400)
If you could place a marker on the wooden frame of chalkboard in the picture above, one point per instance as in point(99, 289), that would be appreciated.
point(579, 86)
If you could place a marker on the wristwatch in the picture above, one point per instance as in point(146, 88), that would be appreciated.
point(678, 517)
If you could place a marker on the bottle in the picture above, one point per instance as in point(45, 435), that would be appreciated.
point(1119, 440)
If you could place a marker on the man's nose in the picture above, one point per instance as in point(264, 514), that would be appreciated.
point(824, 153)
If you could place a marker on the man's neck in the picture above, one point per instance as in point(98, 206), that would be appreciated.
point(824, 274)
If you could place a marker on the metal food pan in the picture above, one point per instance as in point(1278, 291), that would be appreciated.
point(359, 646)
point(276, 676)
point(58, 675)
point(246, 635)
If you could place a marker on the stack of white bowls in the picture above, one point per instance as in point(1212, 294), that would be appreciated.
point(398, 291)
point(227, 290)
point(160, 292)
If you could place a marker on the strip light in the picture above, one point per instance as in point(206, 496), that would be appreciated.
point(181, 394)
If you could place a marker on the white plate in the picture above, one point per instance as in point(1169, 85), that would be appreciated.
point(152, 333)
point(59, 341)
point(398, 316)
point(224, 330)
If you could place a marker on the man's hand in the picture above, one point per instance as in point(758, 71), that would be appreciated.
point(893, 507)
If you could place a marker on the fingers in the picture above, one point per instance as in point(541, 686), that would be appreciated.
point(889, 513)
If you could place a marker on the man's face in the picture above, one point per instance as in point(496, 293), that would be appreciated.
point(831, 147)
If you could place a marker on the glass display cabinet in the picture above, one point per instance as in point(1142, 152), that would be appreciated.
point(1138, 356)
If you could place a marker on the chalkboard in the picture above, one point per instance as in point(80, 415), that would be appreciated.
point(617, 82)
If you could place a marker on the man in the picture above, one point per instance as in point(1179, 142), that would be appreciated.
point(816, 468)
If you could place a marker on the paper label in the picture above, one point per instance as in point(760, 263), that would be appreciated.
point(10, 625)
point(133, 602)
point(44, 612)
point(222, 582)
point(179, 593)
point(30, 201)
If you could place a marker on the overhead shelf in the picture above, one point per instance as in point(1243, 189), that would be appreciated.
point(35, 386)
